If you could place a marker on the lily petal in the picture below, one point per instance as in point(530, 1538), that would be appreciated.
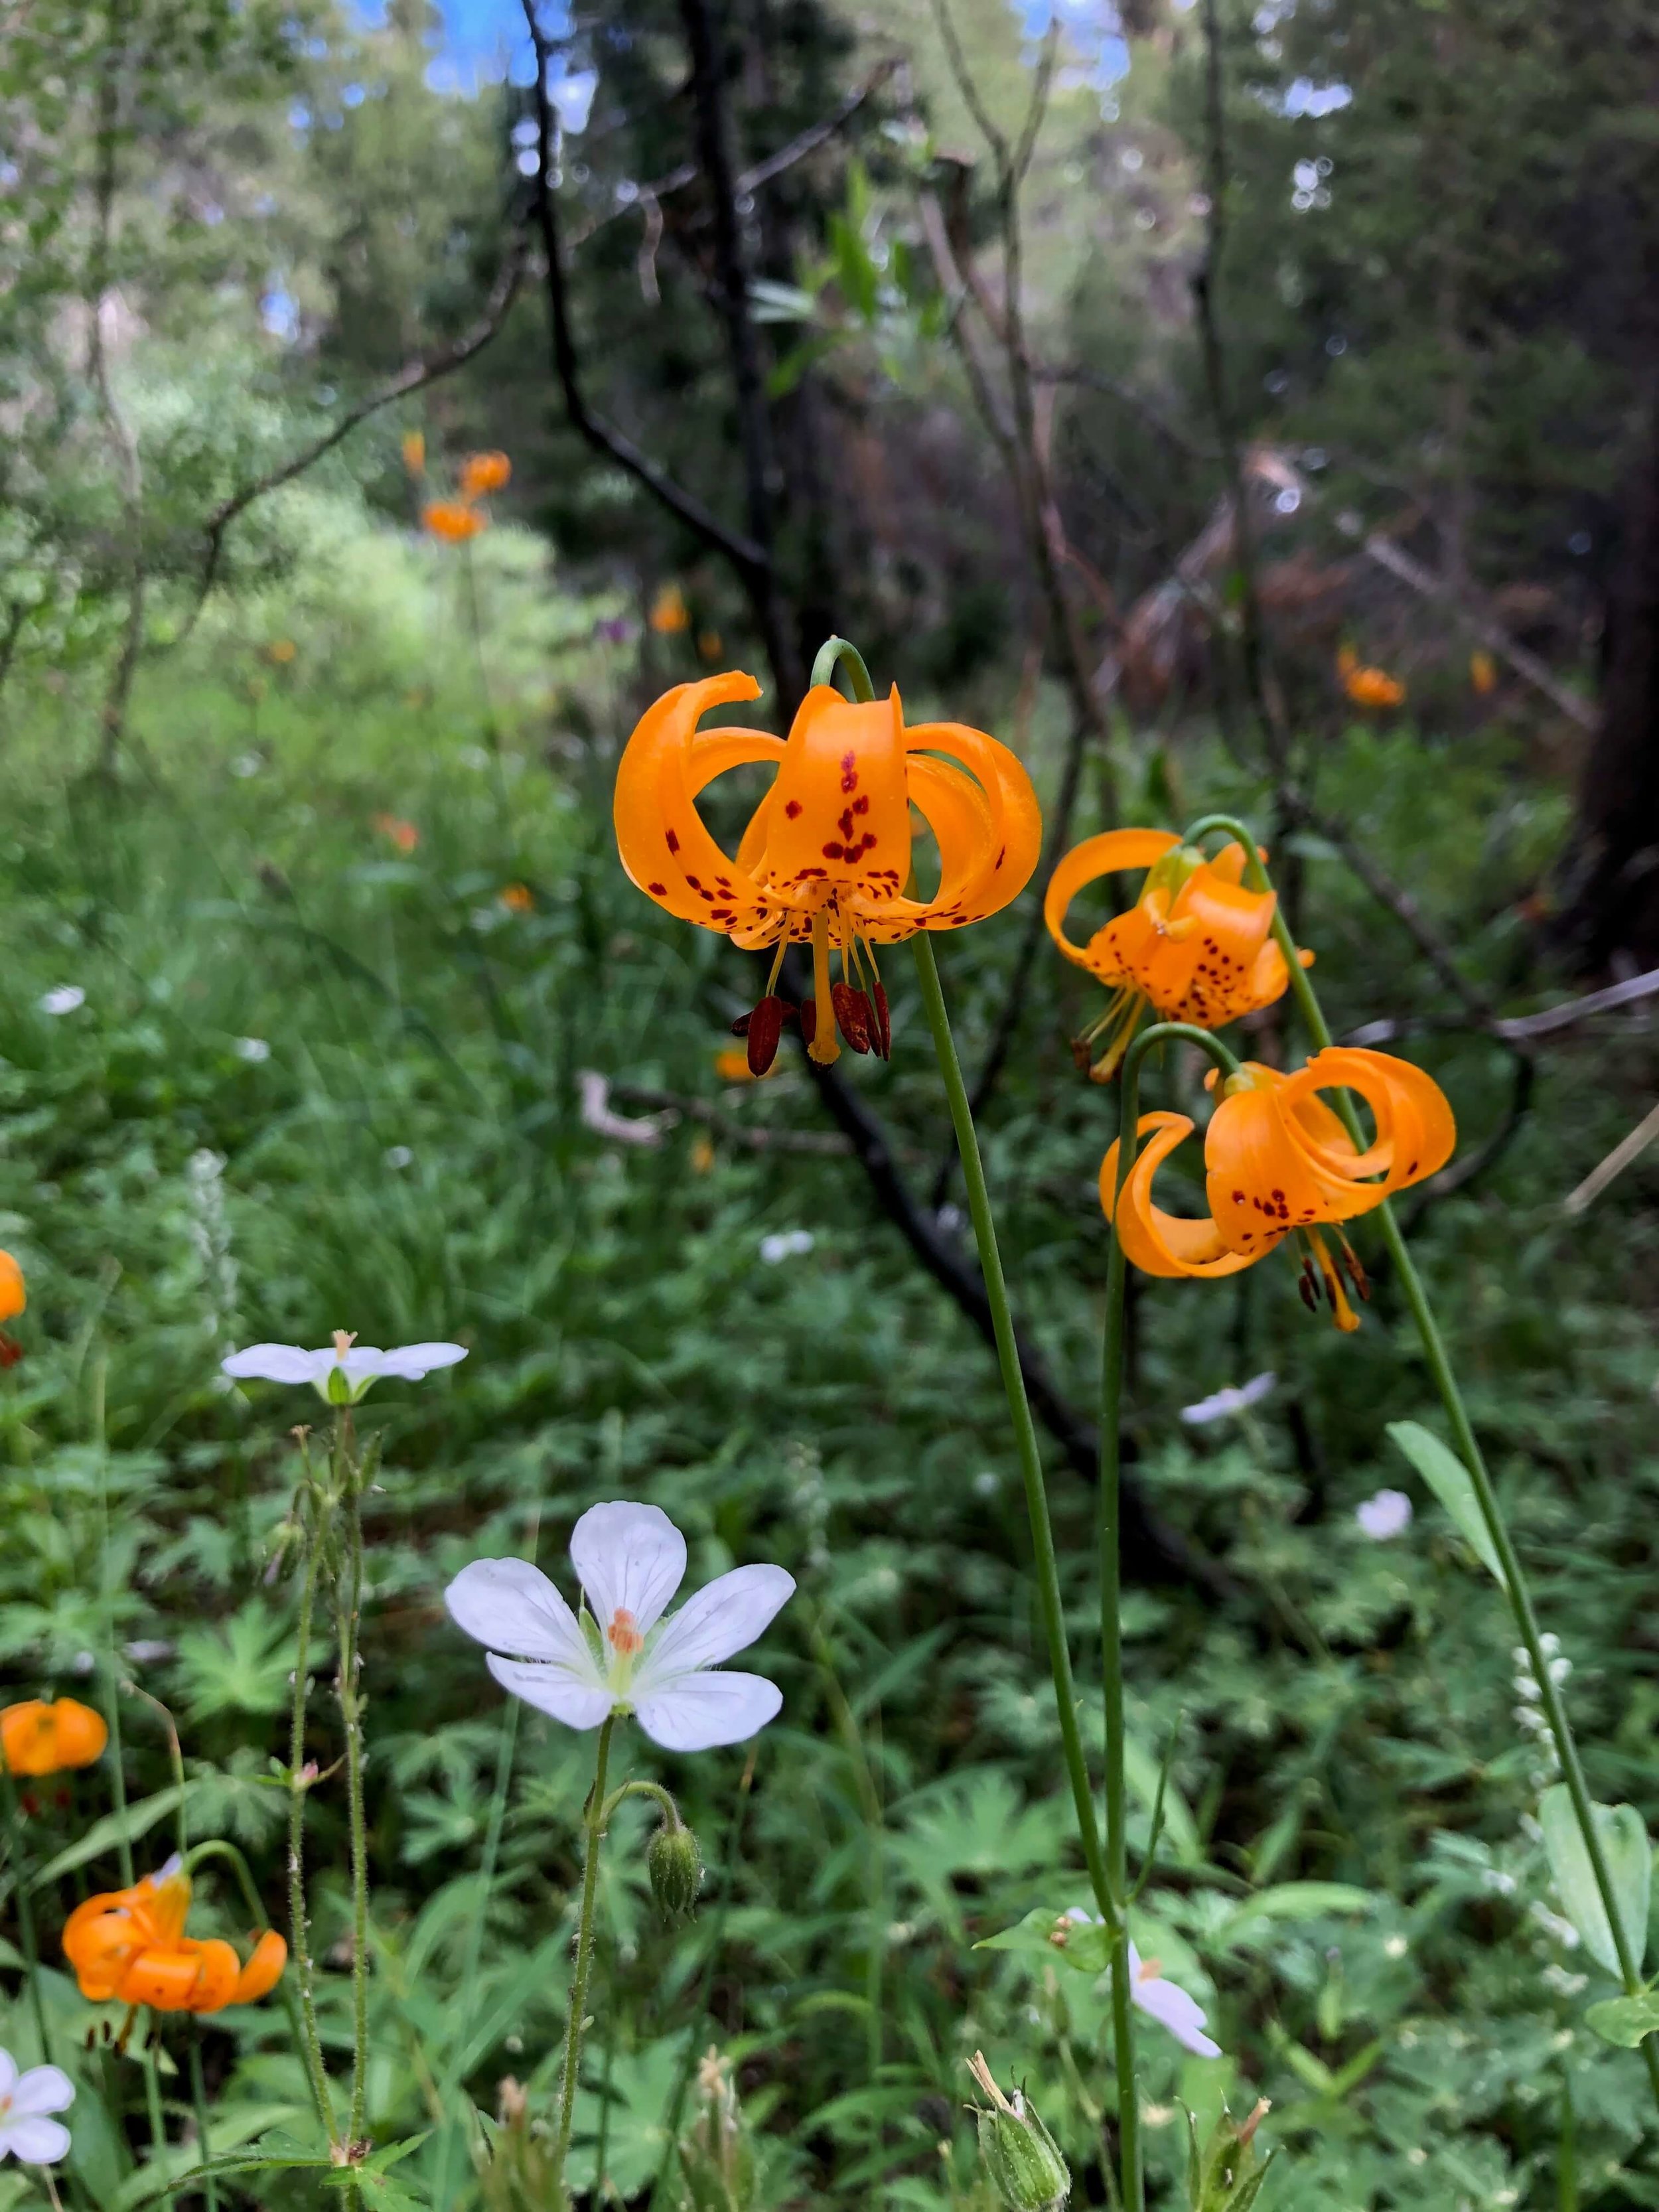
point(725, 1617)
point(631, 1558)
point(1113, 850)
point(703, 1711)
point(512, 1606)
point(552, 1690)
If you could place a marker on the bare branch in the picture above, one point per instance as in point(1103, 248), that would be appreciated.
point(1524, 1029)
point(425, 369)
point(820, 1141)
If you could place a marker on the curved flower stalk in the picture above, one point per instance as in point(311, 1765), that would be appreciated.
point(343, 1373)
point(37, 1738)
point(621, 1658)
point(26, 2132)
point(1279, 1162)
point(131, 1944)
point(1196, 947)
point(826, 857)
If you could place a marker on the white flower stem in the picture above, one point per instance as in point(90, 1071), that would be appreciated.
point(298, 1940)
point(348, 1598)
point(573, 2035)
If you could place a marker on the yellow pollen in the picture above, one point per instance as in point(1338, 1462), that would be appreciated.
point(624, 1635)
point(1149, 1970)
point(343, 1340)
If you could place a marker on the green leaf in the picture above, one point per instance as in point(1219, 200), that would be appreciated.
point(1624, 2020)
point(1449, 1479)
point(1629, 1865)
point(1294, 1900)
point(1140, 1774)
point(114, 1828)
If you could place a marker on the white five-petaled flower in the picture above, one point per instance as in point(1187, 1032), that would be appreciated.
point(1387, 1515)
point(63, 1000)
point(630, 1559)
point(1236, 1398)
point(342, 1372)
point(25, 2100)
point(1169, 2005)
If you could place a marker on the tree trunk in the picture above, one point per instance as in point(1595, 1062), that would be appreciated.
point(1613, 904)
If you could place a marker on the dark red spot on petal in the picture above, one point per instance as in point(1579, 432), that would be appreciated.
point(791, 808)
point(658, 891)
point(673, 842)
point(849, 771)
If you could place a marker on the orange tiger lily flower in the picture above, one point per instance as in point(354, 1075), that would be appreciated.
point(826, 856)
point(452, 519)
point(1368, 687)
point(37, 1738)
point(131, 1944)
point(482, 473)
point(1196, 947)
point(1279, 1162)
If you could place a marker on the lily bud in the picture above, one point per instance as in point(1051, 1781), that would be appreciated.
point(1023, 2159)
point(675, 1866)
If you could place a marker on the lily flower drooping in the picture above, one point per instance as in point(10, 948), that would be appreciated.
point(1196, 947)
point(131, 1944)
point(616, 1659)
point(1279, 1162)
point(1367, 686)
point(341, 1373)
point(36, 1738)
point(826, 856)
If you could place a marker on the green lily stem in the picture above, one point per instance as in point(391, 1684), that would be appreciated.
point(573, 2036)
point(26, 1935)
point(158, 2128)
point(1133, 2184)
point(1469, 1452)
point(298, 1941)
point(835, 649)
point(1025, 1440)
point(198, 2098)
point(349, 1484)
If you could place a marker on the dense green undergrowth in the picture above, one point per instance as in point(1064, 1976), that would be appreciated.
point(319, 1080)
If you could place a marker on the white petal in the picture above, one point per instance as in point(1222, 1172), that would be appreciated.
point(37, 2143)
point(409, 1362)
point(701, 1712)
point(725, 1617)
point(1173, 2009)
point(512, 1606)
point(7, 2073)
point(43, 2089)
point(360, 1363)
point(278, 1363)
point(631, 1558)
point(552, 1690)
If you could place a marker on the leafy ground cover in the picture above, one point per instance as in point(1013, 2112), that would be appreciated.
point(349, 936)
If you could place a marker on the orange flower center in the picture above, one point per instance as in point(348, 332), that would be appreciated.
point(624, 1635)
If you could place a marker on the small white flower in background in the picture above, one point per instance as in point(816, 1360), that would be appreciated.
point(786, 1244)
point(630, 1559)
point(398, 1156)
point(255, 1050)
point(342, 1372)
point(598, 1117)
point(25, 2100)
point(1236, 1398)
point(247, 764)
point(63, 1000)
point(1170, 2007)
point(1387, 1515)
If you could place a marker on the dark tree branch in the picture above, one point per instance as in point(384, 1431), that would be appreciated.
point(413, 376)
point(1520, 1029)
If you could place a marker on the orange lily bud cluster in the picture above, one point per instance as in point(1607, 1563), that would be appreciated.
point(1196, 947)
point(826, 857)
point(1279, 1162)
point(131, 1944)
point(37, 1738)
point(455, 520)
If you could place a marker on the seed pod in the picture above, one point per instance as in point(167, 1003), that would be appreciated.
point(675, 1866)
point(1022, 2159)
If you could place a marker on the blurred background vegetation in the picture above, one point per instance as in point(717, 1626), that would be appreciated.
point(1128, 382)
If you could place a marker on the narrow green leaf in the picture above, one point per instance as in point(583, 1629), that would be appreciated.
point(1449, 1479)
point(1294, 1900)
point(1630, 1863)
point(104, 1835)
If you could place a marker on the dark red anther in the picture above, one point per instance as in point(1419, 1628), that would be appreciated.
point(852, 1015)
point(11, 1351)
point(740, 1027)
point(881, 1033)
point(1083, 1053)
point(765, 1028)
point(809, 1021)
point(1306, 1285)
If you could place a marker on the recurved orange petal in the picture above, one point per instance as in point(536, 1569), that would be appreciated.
point(1112, 852)
point(1260, 1180)
point(1158, 1242)
point(12, 1296)
point(263, 1969)
point(663, 845)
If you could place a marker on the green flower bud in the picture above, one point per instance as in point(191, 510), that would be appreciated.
point(1021, 2157)
point(675, 1866)
point(1226, 2174)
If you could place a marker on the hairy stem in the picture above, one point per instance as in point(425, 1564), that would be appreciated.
point(298, 1941)
point(573, 2035)
point(349, 1483)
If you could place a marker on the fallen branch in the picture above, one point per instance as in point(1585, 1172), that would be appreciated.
point(1518, 1029)
point(1627, 1149)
